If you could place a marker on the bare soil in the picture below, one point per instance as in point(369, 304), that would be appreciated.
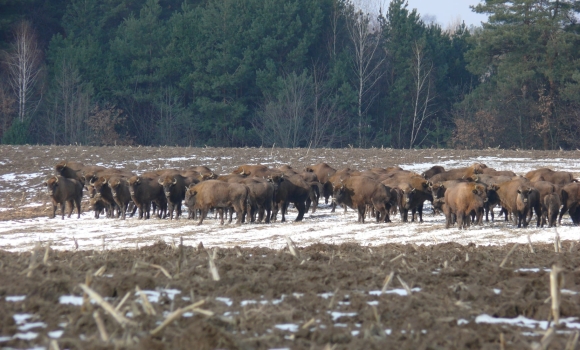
point(451, 289)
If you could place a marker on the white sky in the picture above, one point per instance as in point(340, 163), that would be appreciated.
point(447, 11)
point(443, 12)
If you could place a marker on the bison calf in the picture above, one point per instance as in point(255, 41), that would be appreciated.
point(552, 204)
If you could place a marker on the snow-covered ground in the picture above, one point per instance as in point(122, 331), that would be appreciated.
point(320, 227)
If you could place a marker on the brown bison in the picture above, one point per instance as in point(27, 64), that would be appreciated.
point(519, 198)
point(120, 190)
point(458, 174)
point(62, 190)
point(570, 196)
point(261, 198)
point(257, 170)
point(323, 172)
point(462, 200)
point(290, 189)
point(414, 192)
point(493, 172)
point(544, 188)
point(101, 190)
point(70, 170)
point(203, 171)
point(174, 187)
point(146, 191)
point(220, 195)
point(434, 170)
point(358, 192)
point(556, 177)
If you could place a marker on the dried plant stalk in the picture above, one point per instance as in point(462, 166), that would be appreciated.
point(555, 281)
point(122, 320)
point(160, 268)
point(388, 280)
point(147, 307)
point(213, 269)
point(175, 315)
point(101, 326)
point(508, 254)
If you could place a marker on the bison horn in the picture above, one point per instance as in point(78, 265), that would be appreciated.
point(174, 181)
point(413, 190)
point(56, 179)
point(159, 181)
point(243, 172)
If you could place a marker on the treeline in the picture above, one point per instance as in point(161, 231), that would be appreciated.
point(293, 73)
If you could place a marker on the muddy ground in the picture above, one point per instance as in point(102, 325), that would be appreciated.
point(326, 297)
point(265, 299)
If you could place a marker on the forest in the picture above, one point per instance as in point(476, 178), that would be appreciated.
point(291, 73)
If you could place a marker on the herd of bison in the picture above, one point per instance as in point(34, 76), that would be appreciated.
point(256, 193)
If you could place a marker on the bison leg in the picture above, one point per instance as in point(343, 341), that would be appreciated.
point(281, 206)
point(170, 209)
point(460, 218)
point(62, 205)
point(239, 214)
point(78, 205)
point(562, 212)
point(301, 207)
point(274, 214)
point(447, 220)
point(404, 214)
point(268, 209)
point(361, 213)
point(202, 215)
point(420, 211)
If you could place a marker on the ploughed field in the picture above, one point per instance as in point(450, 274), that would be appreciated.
point(447, 288)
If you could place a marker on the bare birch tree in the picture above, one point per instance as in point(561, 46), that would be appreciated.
point(365, 38)
point(23, 63)
point(282, 118)
point(423, 94)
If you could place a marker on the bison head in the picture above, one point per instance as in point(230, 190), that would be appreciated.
point(114, 186)
point(99, 185)
point(523, 193)
point(134, 182)
point(167, 184)
point(481, 191)
point(211, 176)
point(407, 194)
point(51, 184)
point(437, 190)
point(60, 167)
